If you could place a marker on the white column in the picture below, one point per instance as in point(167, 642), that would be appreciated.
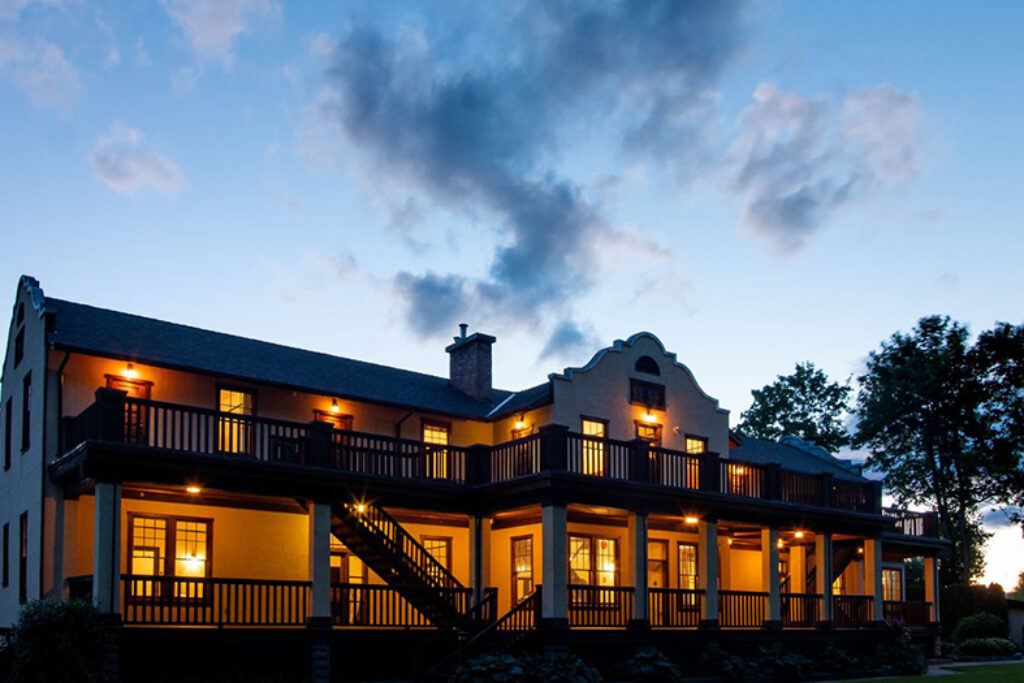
point(931, 587)
point(106, 548)
point(770, 574)
point(554, 567)
point(479, 555)
point(798, 569)
point(823, 572)
point(637, 533)
point(724, 563)
point(873, 578)
point(320, 561)
point(707, 556)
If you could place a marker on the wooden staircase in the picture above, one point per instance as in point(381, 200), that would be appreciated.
point(384, 546)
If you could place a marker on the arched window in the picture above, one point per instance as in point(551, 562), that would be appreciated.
point(648, 365)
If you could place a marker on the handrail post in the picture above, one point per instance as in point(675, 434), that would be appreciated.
point(110, 419)
point(640, 460)
point(710, 471)
point(826, 490)
point(321, 434)
point(478, 464)
point(773, 481)
point(554, 451)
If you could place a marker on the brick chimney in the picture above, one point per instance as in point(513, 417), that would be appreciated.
point(470, 364)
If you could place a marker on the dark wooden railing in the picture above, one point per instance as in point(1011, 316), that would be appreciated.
point(851, 611)
point(675, 468)
point(598, 457)
point(600, 606)
point(380, 606)
point(741, 609)
point(850, 495)
point(914, 523)
point(909, 613)
point(516, 458)
point(742, 479)
point(390, 457)
point(799, 488)
point(674, 607)
point(510, 629)
point(800, 610)
point(213, 601)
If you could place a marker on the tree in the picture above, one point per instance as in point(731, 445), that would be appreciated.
point(805, 404)
point(921, 415)
point(1018, 592)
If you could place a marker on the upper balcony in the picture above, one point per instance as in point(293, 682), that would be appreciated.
point(172, 428)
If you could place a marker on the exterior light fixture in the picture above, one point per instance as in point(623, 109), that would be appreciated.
point(193, 489)
point(779, 543)
point(648, 417)
point(729, 541)
point(799, 534)
point(739, 471)
point(334, 406)
point(130, 372)
point(520, 424)
point(690, 520)
point(860, 551)
point(360, 508)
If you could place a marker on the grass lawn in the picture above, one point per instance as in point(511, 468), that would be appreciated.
point(986, 673)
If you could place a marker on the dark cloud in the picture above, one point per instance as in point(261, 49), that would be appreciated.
point(480, 132)
point(569, 340)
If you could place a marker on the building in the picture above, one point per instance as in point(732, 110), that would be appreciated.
point(214, 493)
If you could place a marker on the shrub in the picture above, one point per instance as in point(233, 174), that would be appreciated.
point(550, 668)
point(986, 647)
point(718, 662)
point(980, 625)
point(649, 664)
point(899, 655)
point(58, 641)
point(960, 600)
point(486, 668)
point(776, 663)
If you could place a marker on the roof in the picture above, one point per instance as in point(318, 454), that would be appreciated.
point(808, 460)
point(84, 328)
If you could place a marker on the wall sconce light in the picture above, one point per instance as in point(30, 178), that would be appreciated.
point(779, 543)
point(649, 417)
point(690, 520)
point(360, 508)
point(130, 372)
point(860, 551)
point(799, 534)
point(729, 541)
point(520, 423)
point(193, 489)
point(334, 406)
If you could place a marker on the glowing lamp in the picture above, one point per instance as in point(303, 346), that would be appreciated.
point(729, 541)
point(779, 544)
point(648, 418)
point(193, 564)
point(799, 534)
point(193, 489)
point(334, 406)
point(690, 520)
point(130, 372)
point(360, 508)
point(860, 551)
point(520, 424)
point(739, 471)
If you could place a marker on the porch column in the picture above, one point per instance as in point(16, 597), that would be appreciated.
point(823, 574)
point(770, 576)
point(707, 573)
point(637, 539)
point(873, 578)
point(106, 548)
point(554, 569)
point(479, 555)
point(931, 588)
point(320, 564)
point(724, 564)
point(798, 569)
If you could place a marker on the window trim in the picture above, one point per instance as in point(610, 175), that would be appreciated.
point(8, 427)
point(695, 437)
point(171, 541)
point(247, 447)
point(513, 573)
point(659, 405)
point(657, 426)
point(19, 346)
point(696, 565)
point(664, 542)
point(340, 421)
point(437, 424)
point(26, 412)
point(23, 558)
point(447, 540)
point(593, 558)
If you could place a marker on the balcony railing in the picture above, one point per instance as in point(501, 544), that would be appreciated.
point(114, 417)
point(851, 611)
point(800, 610)
point(600, 606)
point(914, 523)
point(741, 609)
point(674, 607)
point(380, 606)
point(909, 613)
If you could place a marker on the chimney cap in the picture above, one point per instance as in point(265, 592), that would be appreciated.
point(462, 331)
point(479, 337)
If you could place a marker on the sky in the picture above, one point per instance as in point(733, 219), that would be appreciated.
point(758, 183)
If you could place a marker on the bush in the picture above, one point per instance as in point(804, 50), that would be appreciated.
point(486, 668)
point(649, 664)
point(551, 668)
point(58, 641)
point(960, 600)
point(717, 662)
point(774, 662)
point(899, 655)
point(980, 625)
point(986, 647)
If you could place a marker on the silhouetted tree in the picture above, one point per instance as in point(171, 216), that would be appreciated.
point(805, 404)
point(925, 413)
point(1018, 592)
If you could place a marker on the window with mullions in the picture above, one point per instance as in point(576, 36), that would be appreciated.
point(892, 584)
point(522, 568)
point(689, 579)
point(440, 548)
point(437, 434)
point(234, 429)
point(594, 448)
point(649, 432)
point(646, 394)
point(8, 424)
point(168, 547)
point(26, 412)
point(695, 445)
point(657, 564)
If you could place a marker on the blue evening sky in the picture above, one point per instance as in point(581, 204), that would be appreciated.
point(757, 183)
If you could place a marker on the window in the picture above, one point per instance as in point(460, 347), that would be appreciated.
point(522, 568)
point(19, 347)
point(340, 421)
point(647, 365)
point(8, 423)
point(234, 434)
point(347, 569)
point(7, 555)
point(649, 432)
point(26, 412)
point(839, 585)
point(892, 584)
point(437, 434)
point(657, 564)
point(688, 577)
point(23, 559)
point(696, 444)
point(646, 393)
point(594, 448)
point(440, 548)
point(20, 318)
point(168, 546)
point(580, 562)
point(593, 561)
point(521, 432)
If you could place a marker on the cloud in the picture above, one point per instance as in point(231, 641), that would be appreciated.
point(569, 339)
point(41, 70)
point(481, 135)
point(10, 9)
point(212, 27)
point(799, 160)
point(122, 161)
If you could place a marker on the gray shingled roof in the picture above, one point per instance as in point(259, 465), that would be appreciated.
point(110, 333)
point(792, 458)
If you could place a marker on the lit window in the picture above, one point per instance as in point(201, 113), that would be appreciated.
point(892, 584)
point(649, 432)
point(688, 566)
point(587, 568)
point(440, 548)
point(839, 585)
point(657, 564)
point(234, 430)
point(149, 543)
point(522, 568)
point(696, 445)
point(437, 434)
point(580, 561)
point(594, 433)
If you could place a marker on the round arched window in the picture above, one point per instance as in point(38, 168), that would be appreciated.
point(648, 365)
